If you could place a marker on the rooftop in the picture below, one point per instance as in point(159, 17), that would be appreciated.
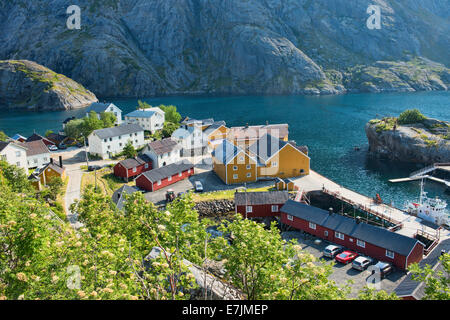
point(118, 131)
point(118, 195)
point(167, 171)
point(255, 132)
point(99, 107)
point(162, 146)
point(35, 148)
point(135, 162)
point(257, 198)
point(226, 151)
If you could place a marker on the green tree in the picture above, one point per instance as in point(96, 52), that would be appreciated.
point(129, 151)
point(16, 178)
point(74, 129)
point(371, 294)
point(3, 136)
point(437, 282)
point(411, 117)
point(169, 128)
point(55, 187)
point(108, 119)
point(48, 132)
point(171, 113)
point(143, 105)
point(91, 123)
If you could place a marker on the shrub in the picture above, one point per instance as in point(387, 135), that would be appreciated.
point(411, 116)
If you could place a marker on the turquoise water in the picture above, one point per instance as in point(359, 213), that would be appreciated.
point(331, 126)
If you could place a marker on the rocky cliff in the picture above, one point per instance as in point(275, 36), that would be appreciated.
point(26, 84)
point(136, 48)
point(427, 142)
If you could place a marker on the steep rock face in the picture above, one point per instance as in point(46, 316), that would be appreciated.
point(25, 84)
point(411, 143)
point(140, 48)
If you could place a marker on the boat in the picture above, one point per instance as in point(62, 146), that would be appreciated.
point(429, 209)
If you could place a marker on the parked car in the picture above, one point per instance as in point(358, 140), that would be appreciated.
point(384, 267)
point(52, 147)
point(346, 256)
point(62, 146)
point(94, 168)
point(361, 263)
point(198, 186)
point(170, 195)
point(331, 251)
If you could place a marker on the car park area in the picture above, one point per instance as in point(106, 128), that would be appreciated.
point(342, 273)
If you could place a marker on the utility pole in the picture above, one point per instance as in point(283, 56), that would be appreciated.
point(246, 201)
point(85, 151)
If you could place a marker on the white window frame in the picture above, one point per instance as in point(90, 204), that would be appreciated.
point(249, 209)
point(249, 166)
point(274, 208)
point(134, 169)
point(235, 176)
point(290, 218)
point(249, 175)
point(169, 178)
point(235, 168)
point(180, 174)
point(159, 182)
point(312, 225)
point(338, 235)
point(388, 254)
point(274, 164)
point(360, 243)
point(146, 166)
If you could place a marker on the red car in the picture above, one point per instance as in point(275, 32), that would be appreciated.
point(346, 257)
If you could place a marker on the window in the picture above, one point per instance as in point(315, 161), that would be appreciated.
point(35, 160)
point(235, 168)
point(249, 167)
point(339, 235)
point(390, 254)
point(104, 140)
point(289, 217)
point(360, 243)
point(120, 137)
point(109, 147)
point(18, 153)
point(325, 233)
point(110, 139)
point(18, 164)
point(120, 144)
point(274, 208)
point(249, 209)
point(249, 175)
point(312, 225)
point(3, 157)
point(134, 169)
point(274, 164)
point(45, 159)
point(180, 174)
point(159, 182)
point(169, 178)
point(235, 176)
point(241, 159)
point(136, 141)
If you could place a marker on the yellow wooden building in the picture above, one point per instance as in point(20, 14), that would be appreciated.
point(42, 176)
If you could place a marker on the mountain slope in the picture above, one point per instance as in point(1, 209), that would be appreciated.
point(135, 48)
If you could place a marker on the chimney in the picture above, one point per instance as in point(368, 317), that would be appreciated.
point(358, 219)
point(51, 160)
point(330, 211)
point(60, 161)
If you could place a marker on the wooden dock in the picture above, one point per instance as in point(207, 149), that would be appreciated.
point(408, 179)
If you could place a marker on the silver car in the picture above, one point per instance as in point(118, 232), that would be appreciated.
point(331, 251)
point(361, 263)
point(198, 186)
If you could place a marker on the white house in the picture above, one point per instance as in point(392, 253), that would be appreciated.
point(14, 153)
point(98, 108)
point(192, 141)
point(38, 154)
point(151, 119)
point(163, 152)
point(111, 141)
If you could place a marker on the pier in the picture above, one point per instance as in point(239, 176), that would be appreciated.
point(422, 174)
point(410, 225)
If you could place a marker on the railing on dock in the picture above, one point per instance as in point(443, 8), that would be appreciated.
point(397, 224)
point(427, 236)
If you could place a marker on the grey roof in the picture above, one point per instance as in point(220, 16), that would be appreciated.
point(135, 162)
point(226, 151)
point(167, 171)
point(411, 288)
point(162, 146)
point(35, 148)
point(188, 121)
point(372, 234)
point(266, 146)
point(140, 114)
point(118, 131)
point(255, 132)
point(4, 144)
point(216, 125)
point(256, 198)
point(118, 195)
point(99, 107)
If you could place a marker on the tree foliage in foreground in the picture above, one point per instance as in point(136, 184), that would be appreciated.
point(437, 283)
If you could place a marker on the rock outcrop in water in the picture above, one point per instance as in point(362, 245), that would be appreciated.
point(136, 48)
point(26, 84)
point(427, 142)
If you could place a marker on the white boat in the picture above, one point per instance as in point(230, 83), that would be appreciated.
point(429, 209)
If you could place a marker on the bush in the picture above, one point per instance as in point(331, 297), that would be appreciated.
point(411, 116)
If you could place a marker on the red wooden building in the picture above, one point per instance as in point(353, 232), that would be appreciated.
point(373, 241)
point(131, 168)
point(162, 177)
point(37, 137)
point(260, 204)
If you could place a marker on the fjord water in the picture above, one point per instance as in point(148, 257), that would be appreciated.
point(331, 126)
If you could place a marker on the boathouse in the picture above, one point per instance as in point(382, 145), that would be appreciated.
point(366, 239)
point(133, 167)
point(162, 177)
point(260, 204)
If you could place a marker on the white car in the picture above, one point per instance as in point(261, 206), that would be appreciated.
point(198, 186)
point(52, 147)
point(331, 251)
point(361, 263)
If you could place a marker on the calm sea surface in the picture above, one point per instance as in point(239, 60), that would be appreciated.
point(330, 126)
